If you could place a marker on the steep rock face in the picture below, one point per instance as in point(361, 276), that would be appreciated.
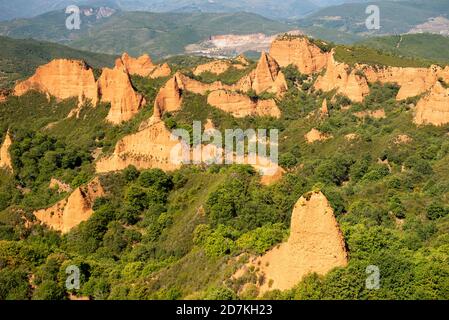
point(434, 107)
point(266, 77)
point(198, 87)
point(240, 105)
point(339, 76)
point(300, 52)
point(216, 67)
point(141, 66)
point(148, 148)
point(161, 71)
point(324, 111)
point(70, 212)
point(169, 97)
point(5, 157)
point(63, 79)
point(316, 244)
point(413, 81)
point(115, 87)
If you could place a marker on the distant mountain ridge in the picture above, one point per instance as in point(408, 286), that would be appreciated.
point(161, 34)
point(396, 17)
point(273, 9)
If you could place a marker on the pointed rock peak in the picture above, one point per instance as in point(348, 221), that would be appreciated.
point(5, 157)
point(70, 212)
point(169, 97)
point(141, 66)
point(316, 244)
point(324, 109)
point(209, 125)
point(114, 86)
point(242, 59)
point(316, 135)
point(266, 62)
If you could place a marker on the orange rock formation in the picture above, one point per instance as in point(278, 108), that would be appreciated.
point(300, 52)
point(3, 95)
point(216, 67)
point(59, 185)
point(266, 77)
point(148, 148)
point(339, 76)
point(115, 87)
point(161, 71)
point(141, 66)
point(5, 157)
point(315, 135)
point(324, 111)
point(70, 212)
point(63, 79)
point(316, 244)
point(240, 105)
point(434, 107)
point(169, 97)
point(413, 81)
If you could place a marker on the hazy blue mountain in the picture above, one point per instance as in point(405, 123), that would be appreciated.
point(267, 8)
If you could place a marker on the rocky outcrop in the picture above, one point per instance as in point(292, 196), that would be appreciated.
point(340, 77)
point(324, 111)
point(412, 81)
point(267, 77)
point(169, 97)
point(115, 87)
point(63, 79)
point(351, 137)
point(71, 78)
point(141, 66)
point(300, 52)
point(5, 157)
point(59, 186)
point(434, 107)
point(242, 60)
point(216, 67)
point(402, 139)
point(316, 244)
point(240, 105)
point(161, 71)
point(316, 135)
point(148, 148)
point(70, 212)
point(3, 95)
point(198, 87)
